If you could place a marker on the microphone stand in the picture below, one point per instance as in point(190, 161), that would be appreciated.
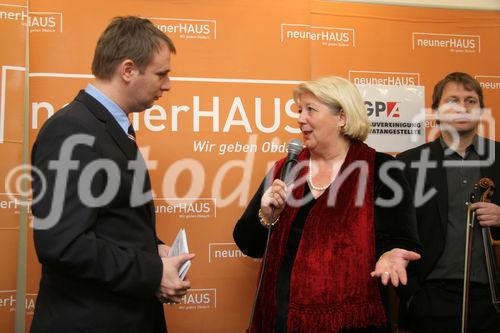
point(285, 173)
point(261, 276)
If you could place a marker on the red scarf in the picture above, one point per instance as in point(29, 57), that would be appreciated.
point(330, 284)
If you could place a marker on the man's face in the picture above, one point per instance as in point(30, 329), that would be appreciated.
point(147, 87)
point(459, 109)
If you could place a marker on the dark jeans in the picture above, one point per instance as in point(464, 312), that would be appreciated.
point(437, 307)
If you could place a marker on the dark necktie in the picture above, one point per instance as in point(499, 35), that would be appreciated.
point(131, 133)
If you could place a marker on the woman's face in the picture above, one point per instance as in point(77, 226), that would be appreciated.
point(320, 127)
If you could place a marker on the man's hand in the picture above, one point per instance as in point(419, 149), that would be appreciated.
point(487, 213)
point(172, 288)
point(163, 250)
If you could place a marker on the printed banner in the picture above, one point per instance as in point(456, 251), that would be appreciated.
point(210, 141)
point(397, 115)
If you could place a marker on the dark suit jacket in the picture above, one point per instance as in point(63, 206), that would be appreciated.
point(432, 216)
point(100, 265)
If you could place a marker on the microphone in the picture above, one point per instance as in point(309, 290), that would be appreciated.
point(295, 146)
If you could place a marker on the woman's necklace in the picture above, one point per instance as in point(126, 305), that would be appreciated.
point(310, 180)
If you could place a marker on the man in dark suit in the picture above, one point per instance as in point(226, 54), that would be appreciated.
point(442, 173)
point(103, 267)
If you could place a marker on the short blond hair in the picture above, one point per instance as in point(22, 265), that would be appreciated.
point(340, 94)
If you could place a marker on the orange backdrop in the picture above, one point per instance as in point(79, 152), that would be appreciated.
point(229, 112)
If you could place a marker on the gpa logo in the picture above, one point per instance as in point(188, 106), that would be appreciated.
point(379, 109)
point(185, 28)
point(199, 299)
point(449, 42)
point(326, 36)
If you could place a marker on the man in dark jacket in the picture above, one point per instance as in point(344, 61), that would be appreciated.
point(103, 267)
point(442, 173)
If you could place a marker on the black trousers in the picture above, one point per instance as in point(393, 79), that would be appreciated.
point(437, 307)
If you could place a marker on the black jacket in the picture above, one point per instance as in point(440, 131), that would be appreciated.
point(100, 265)
point(432, 216)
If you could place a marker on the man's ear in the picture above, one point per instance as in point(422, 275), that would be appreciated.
point(127, 70)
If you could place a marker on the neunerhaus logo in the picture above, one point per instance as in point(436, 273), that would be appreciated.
point(36, 21)
point(8, 301)
point(199, 299)
point(187, 28)
point(12, 14)
point(384, 78)
point(450, 42)
point(327, 36)
point(489, 82)
point(224, 252)
point(186, 208)
point(45, 22)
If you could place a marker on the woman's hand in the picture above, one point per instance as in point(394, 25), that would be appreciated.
point(274, 197)
point(392, 265)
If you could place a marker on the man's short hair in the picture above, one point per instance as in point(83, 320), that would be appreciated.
point(131, 38)
point(464, 79)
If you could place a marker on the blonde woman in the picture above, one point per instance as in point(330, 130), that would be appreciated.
point(332, 238)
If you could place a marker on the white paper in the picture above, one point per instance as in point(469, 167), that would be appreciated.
point(180, 246)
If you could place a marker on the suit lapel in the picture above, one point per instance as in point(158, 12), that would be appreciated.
point(126, 145)
point(437, 179)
